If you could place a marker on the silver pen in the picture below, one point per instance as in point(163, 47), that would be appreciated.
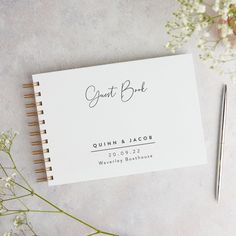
point(221, 140)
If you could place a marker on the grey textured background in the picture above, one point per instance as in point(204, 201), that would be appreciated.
point(40, 36)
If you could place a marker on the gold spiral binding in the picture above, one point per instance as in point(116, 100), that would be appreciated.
point(36, 133)
point(42, 170)
point(44, 179)
point(41, 151)
point(39, 143)
point(33, 105)
point(34, 113)
point(36, 124)
point(30, 85)
point(32, 95)
point(42, 160)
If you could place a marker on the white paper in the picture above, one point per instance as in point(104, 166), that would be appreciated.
point(98, 127)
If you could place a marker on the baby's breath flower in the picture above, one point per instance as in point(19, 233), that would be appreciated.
point(201, 8)
point(8, 233)
point(216, 7)
point(225, 30)
point(6, 139)
point(206, 34)
point(20, 220)
point(13, 175)
point(8, 181)
point(201, 41)
point(170, 46)
point(198, 27)
point(226, 42)
point(195, 17)
point(7, 185)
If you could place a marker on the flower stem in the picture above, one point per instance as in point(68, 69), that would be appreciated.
point(24, 185)
point(62, 211)
point(5, 172)
point(93, 233)
point(17, 197)
point(31, 229)
point(40, 211)
point(18, 172)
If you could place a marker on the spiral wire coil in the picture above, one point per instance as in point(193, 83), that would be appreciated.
point(37, 105)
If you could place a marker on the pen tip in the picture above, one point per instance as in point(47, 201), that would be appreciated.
point(217, 197)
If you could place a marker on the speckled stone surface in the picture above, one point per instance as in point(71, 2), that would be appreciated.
point(40, 36)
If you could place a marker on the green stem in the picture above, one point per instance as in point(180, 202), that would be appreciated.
point(7, 214)
point(5, 194)
point(31, 229)
point(62, 211)
point(213, 17)
point(18, 172)
point(40, 211)
point(31, 192)
point(13, 212)
point(8, 168)
point(93, 234)
point(101, 232)
point(10, 189)
point(4, 171)
point(29, 226)
point(17, 197)
point(216, 43)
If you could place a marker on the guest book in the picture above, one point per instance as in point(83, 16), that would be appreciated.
point(117, 119)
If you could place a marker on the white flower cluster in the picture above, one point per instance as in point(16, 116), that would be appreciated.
point(13, 190)
point(8, 233)
point(20, 220)
point(8, 182)
point(6, 139)
point(222, 8)
point(215, 27)
point(188, 19)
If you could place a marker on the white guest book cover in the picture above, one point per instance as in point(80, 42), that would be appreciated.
point(121, 119)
